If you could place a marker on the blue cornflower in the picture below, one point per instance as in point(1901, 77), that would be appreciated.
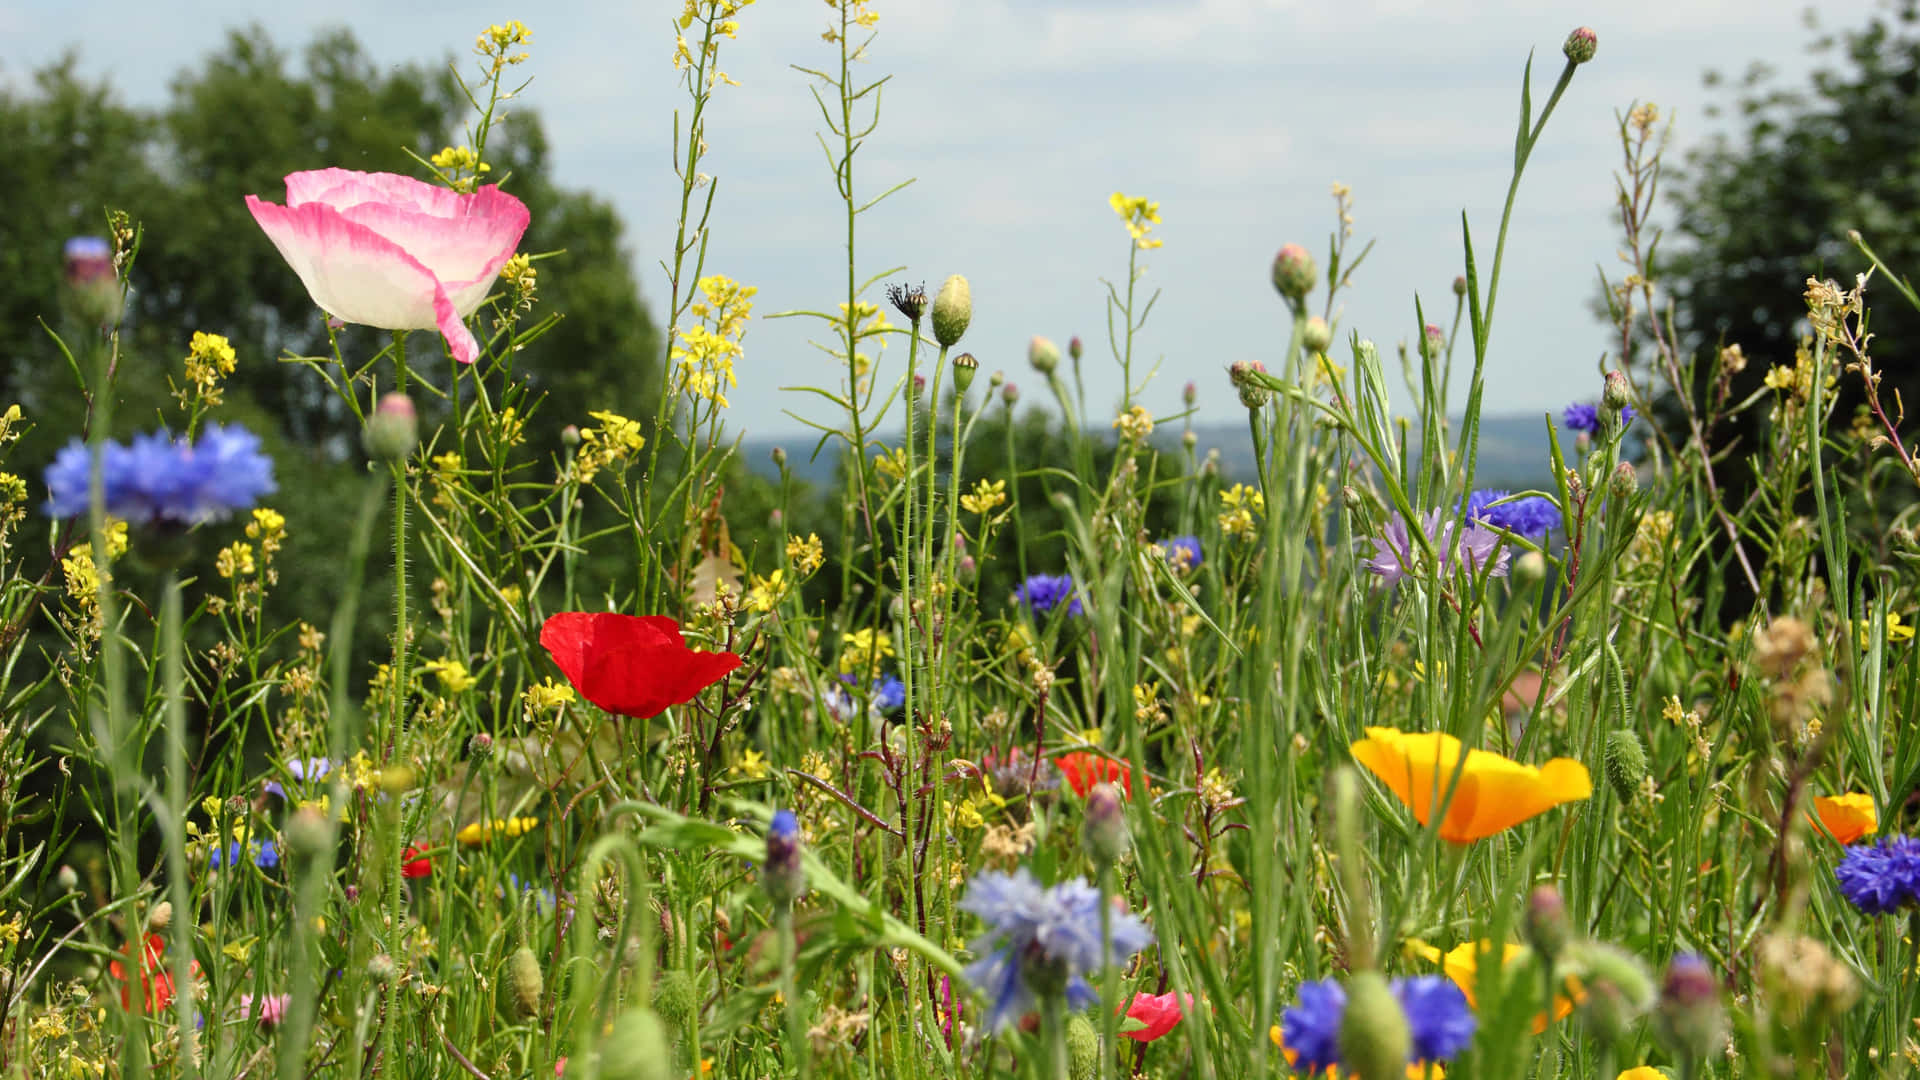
point(1583, 417)
point(1041, 593)
point(1182, 551)
point(1395, 554)
point(158, 478)
point(1042, 940)
point(543, 901)
point(312, 768)
point(1882, 877)
point(264, 855)
point(267, 855)
point(1533, 516)
point(1437, 1012)
point(889, 694)
point(1311, 1029)
point(782, 876)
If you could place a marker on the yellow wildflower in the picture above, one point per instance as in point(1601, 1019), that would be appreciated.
point(707, 350)
point(806, 555)
point(1139, 216)
point(235, 560)
point(496, 42)
point(752, 765)
point(862, 651)
point(1239, 505)
point(210, 358)
point(547, 695)
point(1135, 424)
point(481, 832)
point(615, 441)
point(453, 675)
point(767, 592)
point(1493, 793)
point(1848, 817)
point(1896, 630)
point(986, 495)
point(892, 463)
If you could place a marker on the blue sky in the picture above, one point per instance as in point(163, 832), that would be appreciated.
point(1019, 117)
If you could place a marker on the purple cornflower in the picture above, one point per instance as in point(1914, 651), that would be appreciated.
point(1533, 516)
point(1882, 877)
point(1441, 1022)
point(889, 694)
point(1311, 1029)
point(264, 855)
point(159, 478)
point(1182, 551)
point(1041, 593)
point(1580, 416)
point(1042, 941)
point(1395, 554)
point(313, 768)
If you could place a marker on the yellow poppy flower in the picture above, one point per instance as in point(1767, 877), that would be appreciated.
point(1643, 1072)
point(1462, 965)
point(1493, 794)
point(1848, 817)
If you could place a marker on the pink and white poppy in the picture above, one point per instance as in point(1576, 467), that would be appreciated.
point(390, 251)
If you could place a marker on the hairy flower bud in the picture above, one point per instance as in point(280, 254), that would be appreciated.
point(1375, 1039)
point(637, 1048)
point(381, 969)
point(1083, 1048)
point(1010, 393)
point(782, 876)
point(1691, 1019)
point(1433, 342)
point(952, 311)
point(1624, 481)
point(779, 457)
point(1548, 930)
point(1460, 285)
point(675, 997)
point(1581, 45)
point(1189, 393)
point(1626, 763)
point(1618, 988)
point(1253, 394)
point(1294, 273)
point(524, 984)
point(570, 436)
point(1618, 393)
point(964, 367)
point(393, 430)
point(481, 745)
point(1316, 335)
point(1044, 355)
point(160, 917)
point(1103, 834)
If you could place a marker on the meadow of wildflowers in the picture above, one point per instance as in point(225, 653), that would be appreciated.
point(1348, 766)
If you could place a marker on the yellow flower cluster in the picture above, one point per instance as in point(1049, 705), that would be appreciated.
point(521, 277)
point(446, 475)
point(7, 421)
point(1135, 424)
point(481, 832)
point(82, 570)
point(752, 765)
point(708, 349)
point(453, 675)
point(459, 167)
point(1896, 630)
point(868, 321)
point(496, 42)
point(985, 497)
point(1139, 216)
point(1239, 504)
point(806, 556)
point(616, 440)
point(210, 358)
point(718, 17)
point(270, 528)
point(768, 591)
point(543, 696)
point(891, 464)
point(862, 651)
point(235, 560)
point(857, 14)
point(13, 498)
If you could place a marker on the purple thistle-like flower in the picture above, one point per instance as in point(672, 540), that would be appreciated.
point(1182, 551)
point(1442, 1022)
point(1882, 877)
point(1533, 516)
point(159, 478)
point(1311, 1029)
point(1042, 940)
point(1395, 554)
point(1041, 593)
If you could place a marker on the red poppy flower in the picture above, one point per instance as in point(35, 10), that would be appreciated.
point(1083, 770)
point(156, 978)
point(414, 864)
point(1160, 1012)
point(631, 665)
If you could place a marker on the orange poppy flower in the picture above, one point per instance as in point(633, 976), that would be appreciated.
point(156, 978)
point(1848, 817)
point(1493, 794)
point(1084, 769)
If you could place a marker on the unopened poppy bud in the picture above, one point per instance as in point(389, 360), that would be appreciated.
point(1044, 355)
point(782, 876)
point(1433, 342)
point(160, 917)
point(675, 998)
point(1294, 273)
point(952, 311)
point(636, 1048)
point(307, 833)
point(393, 430)
point(1375, 1039)
point(919, 386)
point(779, 456)
point(93, 286)
point(1189, 440)
point(994, 380)
point(1626, 763)
point(1691, 1019)
point(1460, 285)
point(1548, 930)
point(1530, 567)
point(1618, 393)
point(1010, 394)
point(1074, 348)
point(1618, 988)
point(481, 745)
point(1581, 45)
point(1624, 480)
point(524, 984)
point(1083, 1048)
point(1103, 834)
point(1316, 335)
point(66, 879)
point(1189, 393)
point(381, 969)
point(1253, 394)
point(964, 366)
point(570, 436)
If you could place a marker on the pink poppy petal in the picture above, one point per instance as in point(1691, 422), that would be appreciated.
point(346, 187)
point(349, 270)
point(460, 340)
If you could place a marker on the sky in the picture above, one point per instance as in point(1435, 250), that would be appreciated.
point(1016, 119)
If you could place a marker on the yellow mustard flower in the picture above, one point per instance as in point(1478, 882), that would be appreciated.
point(547, 695)
point(235, 560)
point(1138, 215)
point(453, 675)
point(752, 764)
point(1896, 630)
point(807, 556)
point(1493, 794)
point(985, 497)
point(481, 832)
point(862, 650)
point(767, 592)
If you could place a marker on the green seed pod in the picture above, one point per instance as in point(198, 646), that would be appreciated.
point(637, 1048)
point(964, 366)
point(952, 311)
point(524, 983)
point(1375, 1040)
point(1626, 762)
point(1083, 1049)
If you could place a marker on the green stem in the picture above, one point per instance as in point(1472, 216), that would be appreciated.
point(176, 816)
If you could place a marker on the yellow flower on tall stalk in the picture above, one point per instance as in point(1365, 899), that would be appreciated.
point(1642, 1072)
point(986, 495)
point(862, 651)
point(480, 832)
point(707, 349)
point(1896, 630)
point(1139, 216)
point(1239, 504)
point(1493, 793)
point(807, 555)
point(1462, 964)
point(767, 592)
point(1848, 817)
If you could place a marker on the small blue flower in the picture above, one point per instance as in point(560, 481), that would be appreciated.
point(889, 694)
point(543, 901)
point(1311, 1029)
point(313, 768)
point(1583, 417)
point(1041, 593)
point(1442, 1022)
point(1049, 936)
point(1182, 551)
point(1882, 877)
point(227, 856)
point(158, 478)
point(267, 855)
point(1532, 517)
point(782, 876)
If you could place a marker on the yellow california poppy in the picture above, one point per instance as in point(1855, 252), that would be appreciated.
point(1462, 965)
point(1643, 1072)
point(1494, 793)
point(1848, 817)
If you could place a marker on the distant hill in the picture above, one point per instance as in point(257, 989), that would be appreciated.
point(1513, 452)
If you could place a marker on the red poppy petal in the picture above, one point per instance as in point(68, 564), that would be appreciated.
point(631, 665)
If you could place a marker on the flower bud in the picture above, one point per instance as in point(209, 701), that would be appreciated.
point(1691, 1019)
point(1548, 930)
point(919, 386)
point(160, 917)
point(1618, 393)
point(1316, 335)
point(1189, 440)
point(782, 876)
point(1103, 834)
point(952, 311)
point(994, 380)
point(1252, 394)
point(1624, 480)
point(1375, 1039)
point(675, 998)
point(1460, 285)
point(1433, 342)
point(779, 457)
point(964, 366)
point(93, 286)
point(1044, 355)
point(481, 745)
point(307, 833)
point(1189, 393)
point(1618, 988)
point(381, 969)
point(524, 983)
point(1074, 348)
point(1010, 394)
point(1581, 45)
point(1294, 273)
point(393, 430)
point(637, 1048)
point(1626, 763)
point(66, 878)
point(570, 436)
point(1083, 1048)
point(1530, 567)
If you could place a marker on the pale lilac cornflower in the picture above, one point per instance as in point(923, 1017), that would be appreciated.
point(1395, 554)
point(1042, 940)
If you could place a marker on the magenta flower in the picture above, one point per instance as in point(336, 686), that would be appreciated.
point(393, 252)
